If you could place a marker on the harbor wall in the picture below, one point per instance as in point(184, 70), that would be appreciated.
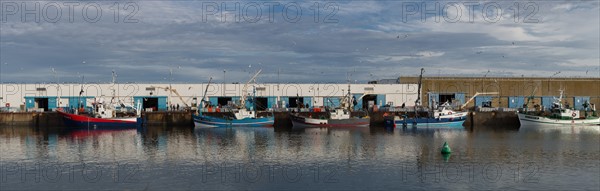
point(477, 120)
point(169, 119)
point(32, 119)
point(283, 120)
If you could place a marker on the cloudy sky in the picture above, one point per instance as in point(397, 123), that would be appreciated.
point(326, 42)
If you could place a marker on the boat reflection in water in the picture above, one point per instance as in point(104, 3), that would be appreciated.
point(166, 158)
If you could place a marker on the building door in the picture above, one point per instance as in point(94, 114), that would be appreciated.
point(368, 101)
point(260, 103)
point(223, 101)
point(446, 98)
point(295, 101)
point(150, 102)
point(41, 103)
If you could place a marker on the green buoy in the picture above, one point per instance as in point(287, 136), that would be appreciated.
point(446, 149)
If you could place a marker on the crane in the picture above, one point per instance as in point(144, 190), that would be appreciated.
point(205, 91)
point(245, 90)
point(473, 98)
point(173, 90)
point(529, 98)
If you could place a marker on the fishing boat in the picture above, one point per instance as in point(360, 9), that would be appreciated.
point(242, 117)
point(103, 116)
point(337, 117)
point(442, 116)
point(560, 115)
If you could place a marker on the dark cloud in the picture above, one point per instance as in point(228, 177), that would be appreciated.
point(367, 40)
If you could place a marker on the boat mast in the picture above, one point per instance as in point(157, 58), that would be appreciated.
point(79, 98)
point(418, 101)
point(205, 91)
point(245, 90)
point(114, 80)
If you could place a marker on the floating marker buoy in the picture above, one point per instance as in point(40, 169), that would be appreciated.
point(446, 149)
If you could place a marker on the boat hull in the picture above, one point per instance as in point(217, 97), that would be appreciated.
point(305, 122)
point(86, 122)
point(532, 120)
point(431, 121)
point(203, 121)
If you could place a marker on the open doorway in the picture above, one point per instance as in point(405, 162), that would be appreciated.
point(223, 101)
point(295, 101)
point(260, 103)
point(41, 103)
point(368, 101)
point(150, 102)
point(446, 98)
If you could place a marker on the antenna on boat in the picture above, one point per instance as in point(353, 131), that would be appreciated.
point(80, 93)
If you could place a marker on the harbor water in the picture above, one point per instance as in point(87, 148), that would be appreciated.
point(564, 158)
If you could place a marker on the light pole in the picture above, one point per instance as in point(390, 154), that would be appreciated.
point(224, 72)
point(171, 83)
point(499, 93)
point(57, 87)
point(484, 76)
point(548, 89)
point(1, 86)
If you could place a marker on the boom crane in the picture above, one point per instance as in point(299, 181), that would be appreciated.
point(206, 91)
point(173, 91)
point(530, 97)
point(476, 94)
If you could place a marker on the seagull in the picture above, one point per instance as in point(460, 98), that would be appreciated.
point(405, 35)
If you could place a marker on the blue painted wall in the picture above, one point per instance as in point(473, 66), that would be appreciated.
point(73, 100)
point(162, 101)
point(359, 103)
point(332, 102)
point(480, 99)
point(30, 101)
point(271, 101)
point(285, 99)
point(547, 101)
point(309, 101)
point(236, 99)
point(460, 97)
point(381, 100)
point(579, 100)
point(213, 100)
point(516, 101)
point(433, 96)
point(138, 100)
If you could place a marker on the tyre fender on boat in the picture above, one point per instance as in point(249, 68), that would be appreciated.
point(574, 114)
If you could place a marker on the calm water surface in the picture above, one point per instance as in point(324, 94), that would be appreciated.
point(334, 159)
